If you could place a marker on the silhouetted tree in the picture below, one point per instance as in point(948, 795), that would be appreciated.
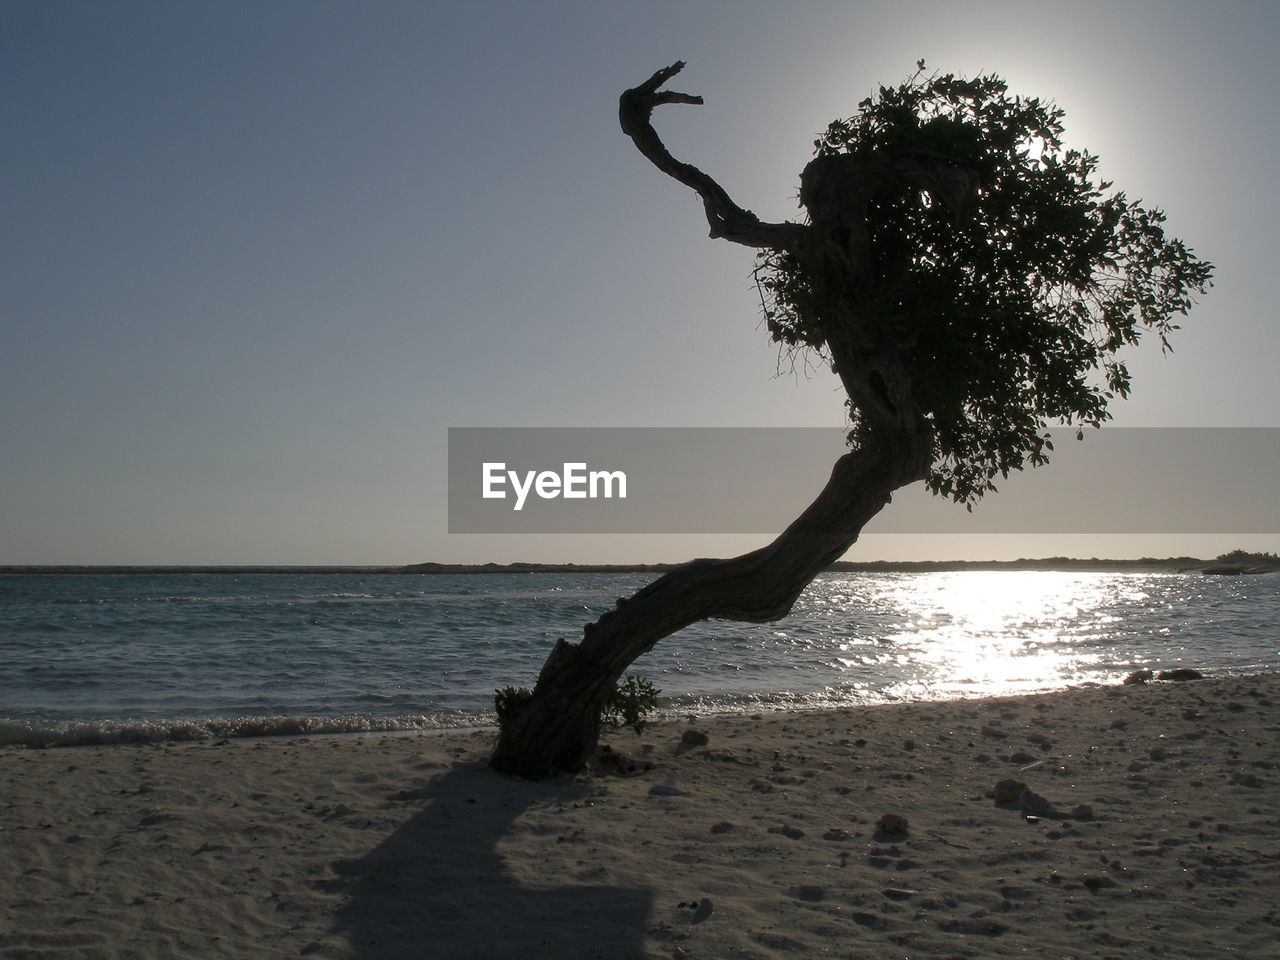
point(968, 281)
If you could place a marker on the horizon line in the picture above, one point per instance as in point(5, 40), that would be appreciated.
point(1241, 558)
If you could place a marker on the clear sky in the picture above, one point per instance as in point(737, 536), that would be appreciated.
point(258, 257)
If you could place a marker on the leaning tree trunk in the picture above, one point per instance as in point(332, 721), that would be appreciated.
point(555, 728)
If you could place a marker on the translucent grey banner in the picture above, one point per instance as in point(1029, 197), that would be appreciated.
point(756, 480)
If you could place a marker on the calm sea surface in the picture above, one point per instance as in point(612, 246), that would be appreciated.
point(104, 657)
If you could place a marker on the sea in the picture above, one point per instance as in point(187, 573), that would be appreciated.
point(133, 657)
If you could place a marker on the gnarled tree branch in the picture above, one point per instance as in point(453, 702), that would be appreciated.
point(727, 220)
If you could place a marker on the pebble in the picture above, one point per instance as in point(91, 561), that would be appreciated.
point(694, 738)
point(1008, 791)
point(892, 823)
point(791, 833)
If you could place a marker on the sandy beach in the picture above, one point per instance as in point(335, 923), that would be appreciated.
point(1149, 826)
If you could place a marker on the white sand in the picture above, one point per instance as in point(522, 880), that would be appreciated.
point(410, 847)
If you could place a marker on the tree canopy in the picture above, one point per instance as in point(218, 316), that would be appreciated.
point(1007, 274)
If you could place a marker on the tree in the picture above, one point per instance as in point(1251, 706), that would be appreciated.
point(968, 281)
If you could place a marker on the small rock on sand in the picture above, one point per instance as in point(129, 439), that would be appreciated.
point(1182, 673)
point(694, 738)
point(892, 823)
point(791, 833)
point(1008, 791)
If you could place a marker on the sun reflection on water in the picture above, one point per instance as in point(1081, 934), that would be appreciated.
point(867, 637)
point(997, 632)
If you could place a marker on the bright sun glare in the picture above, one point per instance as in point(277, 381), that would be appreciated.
point(1002, 632)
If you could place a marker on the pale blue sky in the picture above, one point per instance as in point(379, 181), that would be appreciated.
point(260, 256)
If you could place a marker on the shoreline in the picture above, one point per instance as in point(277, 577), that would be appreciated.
point(1148, 823)
point(74, 733)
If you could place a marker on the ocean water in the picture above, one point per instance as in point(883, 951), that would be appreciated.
point(110, 657)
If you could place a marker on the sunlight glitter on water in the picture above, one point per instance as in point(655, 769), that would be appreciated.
point(1003, 633)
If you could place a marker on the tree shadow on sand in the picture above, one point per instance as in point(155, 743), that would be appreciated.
point(438, 887)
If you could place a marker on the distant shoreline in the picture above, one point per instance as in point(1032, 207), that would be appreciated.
point(1054, 564)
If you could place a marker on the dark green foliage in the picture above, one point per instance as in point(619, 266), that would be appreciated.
point(508, 701)
point(1244, 556)
point(630, 703)
point(1007, 275)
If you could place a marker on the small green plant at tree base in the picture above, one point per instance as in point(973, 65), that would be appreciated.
point(628, 705)
point(508, 701)
point(631, 702)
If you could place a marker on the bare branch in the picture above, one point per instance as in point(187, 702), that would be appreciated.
point(726, 219)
